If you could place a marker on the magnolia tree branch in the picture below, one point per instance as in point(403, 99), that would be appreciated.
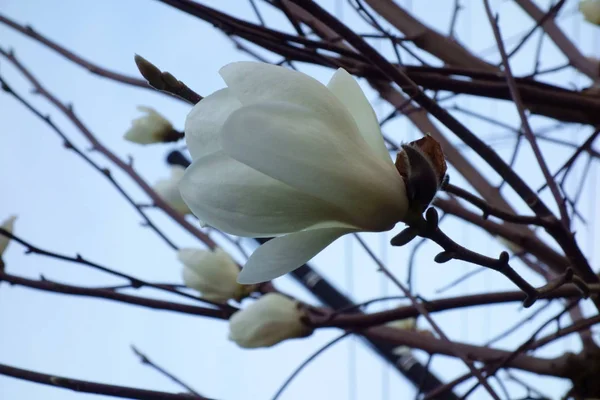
point(541, 98)
point(108, 294)
point(78, 259)
point(81, 386)
point(146, 361)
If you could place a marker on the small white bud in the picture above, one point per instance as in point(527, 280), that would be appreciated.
point(271, 319)
point(590, 10)
point(168, 190)
point(212, 273)
point(8, 225)
point(150, 128)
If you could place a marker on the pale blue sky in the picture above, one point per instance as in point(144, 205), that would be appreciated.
point(65, 206)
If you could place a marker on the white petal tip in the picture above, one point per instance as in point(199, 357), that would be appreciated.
point(248, 279)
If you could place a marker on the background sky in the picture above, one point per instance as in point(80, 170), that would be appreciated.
point(65, 206)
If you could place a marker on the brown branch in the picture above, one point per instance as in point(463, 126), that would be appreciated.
point(575, 327)
point(363, 321)
point(55, 287)
point(556, 261)
point(429, 228)
point(146, 361)
point(80, 386)
point(403, 337)
point(490, 210)
point(570, 106)
point(78, 259)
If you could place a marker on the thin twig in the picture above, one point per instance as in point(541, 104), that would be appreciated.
point(104, 171)
point(74, 58)
point(514, 91)
point(308, 361)
point(423, 311)
point(145, 360)
point(81, 386)
point(78, 259)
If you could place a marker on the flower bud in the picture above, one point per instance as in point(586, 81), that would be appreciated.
point(213, 274)
point(168, 190)
point(7, 225)
point(590, 10)
point(151, 128)
point(269, 320)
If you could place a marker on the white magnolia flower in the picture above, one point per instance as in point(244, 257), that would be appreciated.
point(212, 273)
point(8, 225)
point(168, 190)
point(277, 153)
point(266, 322)
point(590, 10)
point(150, 128)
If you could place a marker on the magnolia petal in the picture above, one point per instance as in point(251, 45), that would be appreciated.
point(293, 145)
point(284, 254)
point(254, 82)
point(348, 91)
point(203, 124)
point(236, 199)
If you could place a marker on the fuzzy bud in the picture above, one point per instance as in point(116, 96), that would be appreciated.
point(212, 273)
point(271, 319)
point(151, 128)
